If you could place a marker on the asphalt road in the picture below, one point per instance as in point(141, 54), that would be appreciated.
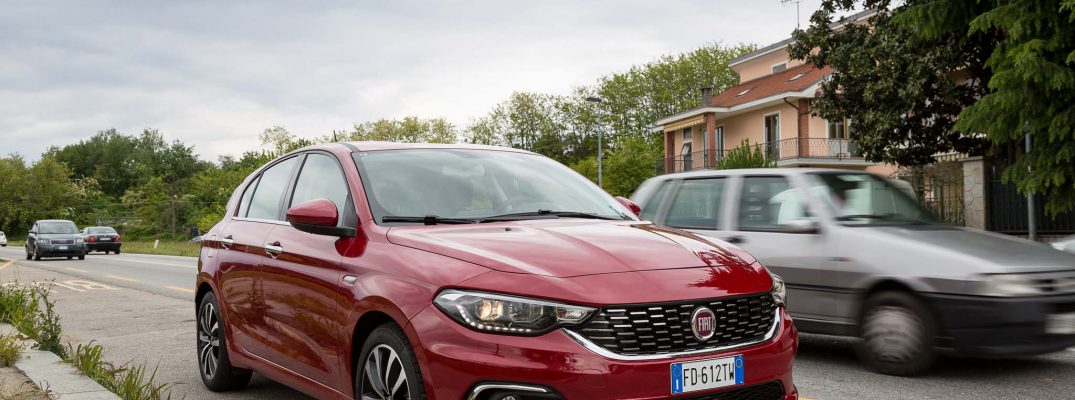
point(141, 308)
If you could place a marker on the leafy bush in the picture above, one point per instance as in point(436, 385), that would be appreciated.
point(11, 348)
point(746, 156)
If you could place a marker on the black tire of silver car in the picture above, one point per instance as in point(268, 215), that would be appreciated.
point(387, 368)
point(214, 366)
point(898, 334)
point(37, 254)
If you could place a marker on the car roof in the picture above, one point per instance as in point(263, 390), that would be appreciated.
point(376, 145)
point(54, 220)
point(751, 171)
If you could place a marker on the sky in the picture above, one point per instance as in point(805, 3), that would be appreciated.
point(214, 74)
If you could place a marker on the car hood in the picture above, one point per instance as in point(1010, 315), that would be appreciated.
point(988, 251)
point(570, 247)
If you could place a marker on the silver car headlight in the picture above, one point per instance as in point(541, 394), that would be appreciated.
point(42, 241)
point(1009, 285)
point(495, 313)
point(779, 291)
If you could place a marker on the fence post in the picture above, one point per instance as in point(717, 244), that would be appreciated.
point(974, 186)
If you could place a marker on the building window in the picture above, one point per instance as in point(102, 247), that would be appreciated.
point(772, 135)
point(687, 135)
point(838, 129)
point(719, 137)
point(780, 67)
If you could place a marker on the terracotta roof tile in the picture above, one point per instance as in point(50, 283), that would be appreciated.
point(769, 85)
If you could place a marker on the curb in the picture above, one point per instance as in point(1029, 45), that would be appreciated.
point(61, 379)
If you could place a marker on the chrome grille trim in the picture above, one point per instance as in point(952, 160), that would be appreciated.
point(601, 351)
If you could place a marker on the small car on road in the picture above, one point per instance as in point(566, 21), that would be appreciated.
point(862, 258)
point(3, 239)
point(54, 238)
point(102, 238)
point(418, 271)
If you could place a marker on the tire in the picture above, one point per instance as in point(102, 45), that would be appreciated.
point(381, 343)
point(37, 255)
point(81, 256)
point(116, 251)
point(70, 257)
point(209, 327)
point(29, 256)
point(898, 334)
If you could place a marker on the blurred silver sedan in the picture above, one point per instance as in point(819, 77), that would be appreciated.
point(862, 258)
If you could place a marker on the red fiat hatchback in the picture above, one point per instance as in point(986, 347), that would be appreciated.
point(395, 271)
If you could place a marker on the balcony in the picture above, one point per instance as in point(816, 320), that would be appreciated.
point(820, 152)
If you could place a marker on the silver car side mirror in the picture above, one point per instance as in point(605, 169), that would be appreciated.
point(801, 225)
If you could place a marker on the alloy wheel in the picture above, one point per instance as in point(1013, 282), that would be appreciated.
point(208, 340)
point(383, 377)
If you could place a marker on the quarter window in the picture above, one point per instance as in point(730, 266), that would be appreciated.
point(696, 205)
point(244, 203)
point(270, 190)
point(769, 202)
point(321, 178)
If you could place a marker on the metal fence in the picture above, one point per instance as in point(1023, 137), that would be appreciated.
point(820, 148)
point(1007, 213)
point(939, 187)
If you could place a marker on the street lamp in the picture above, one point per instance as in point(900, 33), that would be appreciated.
point(600, 133)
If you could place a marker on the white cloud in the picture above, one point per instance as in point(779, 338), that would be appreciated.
point(214, 74)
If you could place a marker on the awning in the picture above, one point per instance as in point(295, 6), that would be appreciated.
point(684, 123)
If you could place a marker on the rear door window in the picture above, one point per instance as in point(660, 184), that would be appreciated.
point(265, 204)
point(696, 204)
point(769, 202)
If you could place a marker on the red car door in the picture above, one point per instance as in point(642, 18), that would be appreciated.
point(302, 284)
point(242, 255)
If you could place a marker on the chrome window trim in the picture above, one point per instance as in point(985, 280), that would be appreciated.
point(477, 391)
point(264, 221)
point(603, 352)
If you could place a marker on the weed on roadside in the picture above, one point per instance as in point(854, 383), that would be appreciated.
point(11, 348)
point(127, 382)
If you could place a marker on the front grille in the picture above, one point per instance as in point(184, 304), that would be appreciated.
point(63, 241)
point(649, 329)
point(1050, 283)
point(765, 391)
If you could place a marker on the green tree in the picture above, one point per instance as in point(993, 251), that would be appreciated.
point(624, 167)
point(933, 76)
point(406, 130)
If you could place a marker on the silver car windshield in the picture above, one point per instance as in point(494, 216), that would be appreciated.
point(865, 199)
point(474, 185)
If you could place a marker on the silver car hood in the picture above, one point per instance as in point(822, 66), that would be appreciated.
point(988, 251)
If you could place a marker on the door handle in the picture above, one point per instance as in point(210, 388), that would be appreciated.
point(274, 249)
point(227, 241)
point(735, 239)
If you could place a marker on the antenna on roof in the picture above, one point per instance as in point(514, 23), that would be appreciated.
point(796, 10)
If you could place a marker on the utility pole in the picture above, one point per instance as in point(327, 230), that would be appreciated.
point(600, 133)
point(1031, 220)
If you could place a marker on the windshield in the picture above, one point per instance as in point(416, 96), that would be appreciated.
point(865, 199)
point(476, 184)
point(99, 231)
point(47, 227)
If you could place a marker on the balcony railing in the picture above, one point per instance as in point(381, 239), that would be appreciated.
point(782, 150)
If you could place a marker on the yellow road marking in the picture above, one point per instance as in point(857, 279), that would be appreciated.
point(804, 398)
point(122, 278)
point(7, 264)
point(77, 270)
point(188, 290)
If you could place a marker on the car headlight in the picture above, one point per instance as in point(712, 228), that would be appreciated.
point(495, 313)
point(779, 291)
point(1009, 285)
point(42, 241)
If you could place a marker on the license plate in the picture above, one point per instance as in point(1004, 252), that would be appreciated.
point(63, 247)
point(707, 374)
point(1060, 324)
point(106, 239)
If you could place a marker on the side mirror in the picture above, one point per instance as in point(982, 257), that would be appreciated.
point(318, 217)
point(801, 225)
point(630, 205)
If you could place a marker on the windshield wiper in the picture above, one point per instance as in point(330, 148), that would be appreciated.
point(541, 214)
point(886, 217)
point(428, 220)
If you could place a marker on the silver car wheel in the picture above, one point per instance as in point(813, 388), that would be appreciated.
point(208, 340)
point(893, 334)
point(383, 376)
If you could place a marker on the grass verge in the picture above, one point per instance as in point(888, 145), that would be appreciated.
point(168, 248)
point(32, 313)
point(11, 348)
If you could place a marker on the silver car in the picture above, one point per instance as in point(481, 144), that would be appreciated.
point(862, 258)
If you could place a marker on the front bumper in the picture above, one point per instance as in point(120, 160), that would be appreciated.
point(995, 326)
point(61, 249)
point(455, 360)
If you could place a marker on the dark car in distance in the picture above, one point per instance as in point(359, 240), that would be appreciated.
point(418, 271)
point(102, 238)
point(55, 238)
